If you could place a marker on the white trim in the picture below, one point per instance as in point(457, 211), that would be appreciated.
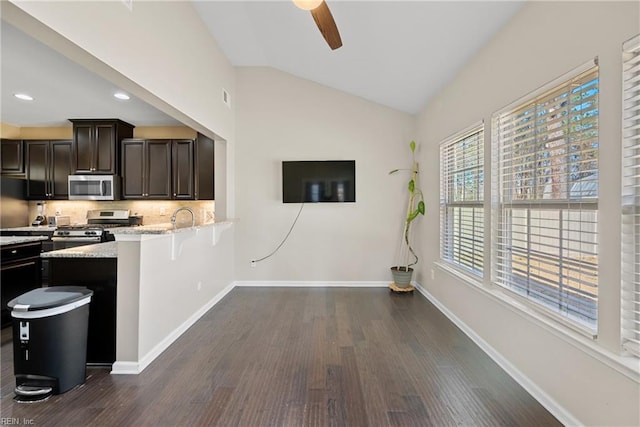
point(127, 367)
point(626, 365)
point(564, 416)
point(312, 284)
point(632, 44)
point(466, 132)
point(48, 312)
point(547, 87)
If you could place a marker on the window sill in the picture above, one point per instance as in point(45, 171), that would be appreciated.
point(583, 341)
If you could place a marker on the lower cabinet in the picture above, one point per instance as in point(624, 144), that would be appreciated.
point(21, 272)
point(99, 275)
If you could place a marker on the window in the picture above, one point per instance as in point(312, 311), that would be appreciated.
point(631, 196)
point(461, 200)
point(545, 198)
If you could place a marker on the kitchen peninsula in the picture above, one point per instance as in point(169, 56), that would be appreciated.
point(167, 279)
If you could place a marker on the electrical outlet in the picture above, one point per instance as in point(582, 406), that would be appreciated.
point(58, 212)
point(163, 211)
point(199, 285)
point(433, 274)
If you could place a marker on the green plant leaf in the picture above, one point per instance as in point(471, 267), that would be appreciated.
point(412, 186)
point(421, 207)
point(412, 216)
point(412, 145)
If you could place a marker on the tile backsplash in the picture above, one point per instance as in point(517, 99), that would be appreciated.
point(153, 211)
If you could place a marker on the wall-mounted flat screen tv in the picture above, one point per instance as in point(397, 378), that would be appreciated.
point(319, 181)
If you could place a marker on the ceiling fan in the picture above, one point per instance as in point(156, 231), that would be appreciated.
point(324, 20)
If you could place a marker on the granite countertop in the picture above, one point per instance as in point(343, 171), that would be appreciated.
point(98, 250)
point(31, 228)
point(163, 228)
point(12, 240)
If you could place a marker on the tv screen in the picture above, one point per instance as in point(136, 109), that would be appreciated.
point(319, 181)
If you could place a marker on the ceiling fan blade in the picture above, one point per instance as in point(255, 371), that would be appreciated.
point(326, 25)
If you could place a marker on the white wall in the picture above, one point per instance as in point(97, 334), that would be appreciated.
point(161, 51)
point(165, 283)
point(281, 117)
point(544, 41)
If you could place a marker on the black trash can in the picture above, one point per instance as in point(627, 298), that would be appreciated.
point(49, 340)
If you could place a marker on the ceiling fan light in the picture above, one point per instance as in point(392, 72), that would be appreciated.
point(307, 4)
point(23, 96)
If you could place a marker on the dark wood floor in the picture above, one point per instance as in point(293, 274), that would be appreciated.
point(300, 357)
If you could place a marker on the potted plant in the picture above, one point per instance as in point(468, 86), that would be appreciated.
point(406, 257)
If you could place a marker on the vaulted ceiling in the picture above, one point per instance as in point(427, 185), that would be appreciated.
point(395, 53)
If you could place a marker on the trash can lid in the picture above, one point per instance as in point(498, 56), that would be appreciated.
point(55, 296)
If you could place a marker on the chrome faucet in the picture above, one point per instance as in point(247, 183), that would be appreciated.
point(184, 208)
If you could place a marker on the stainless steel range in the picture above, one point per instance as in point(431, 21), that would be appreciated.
point(94, 231)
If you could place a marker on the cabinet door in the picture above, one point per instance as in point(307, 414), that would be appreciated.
point(83, 149)
point(60, 169)
point(20, 273)
point(204, 173)
point(182, 168)
point(158, 174)
point(105, 145)
point(37, 164)
point(11, 159)
point(133, 168)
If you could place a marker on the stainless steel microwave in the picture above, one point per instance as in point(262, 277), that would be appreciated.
point(94, 187)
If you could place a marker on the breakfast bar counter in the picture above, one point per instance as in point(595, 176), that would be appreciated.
point(97, 250)
point(167, 278)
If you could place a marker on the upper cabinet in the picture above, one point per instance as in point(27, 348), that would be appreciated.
point(182, 168)
point(11, 157)
point(178, 169)
point(204, 170)
point(96, 145)
point(146, 169)
point(48, 164)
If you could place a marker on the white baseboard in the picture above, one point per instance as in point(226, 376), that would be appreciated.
point(564, 416)
point(311, 284)
point(125, 368)
point(122, 367)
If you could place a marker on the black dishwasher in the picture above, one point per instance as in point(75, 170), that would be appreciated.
point(21, 272)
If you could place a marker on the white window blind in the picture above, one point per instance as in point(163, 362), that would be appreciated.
point(461, 200)
point(545, 198)
point(631, 196)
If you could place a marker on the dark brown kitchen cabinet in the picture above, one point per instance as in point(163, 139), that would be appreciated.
point(146, 169)
point(204, 168)
point(47, 164)
point(20, 265)
point(96, 145)
point(182, 168)
point(11, 156)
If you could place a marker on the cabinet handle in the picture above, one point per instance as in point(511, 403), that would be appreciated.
point(11, 267)
point(15, 251)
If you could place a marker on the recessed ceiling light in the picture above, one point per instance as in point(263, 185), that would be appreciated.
point(23, 96)
point(121, 95)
